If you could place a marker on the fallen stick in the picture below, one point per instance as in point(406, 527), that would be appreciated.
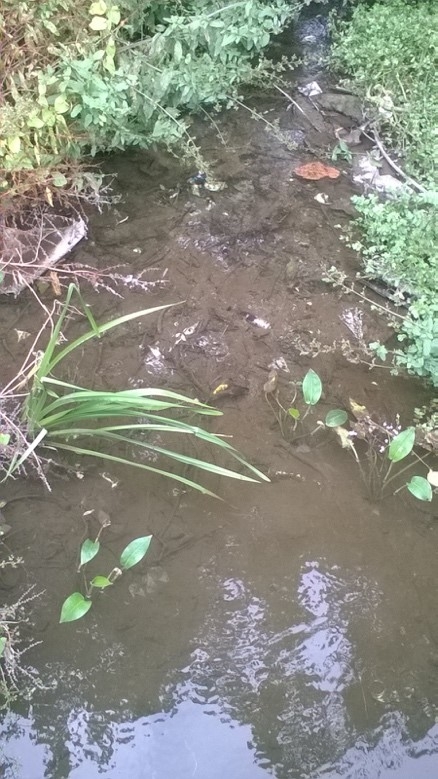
point(394, 166)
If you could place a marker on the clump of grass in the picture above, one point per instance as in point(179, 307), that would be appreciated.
point(91, 423)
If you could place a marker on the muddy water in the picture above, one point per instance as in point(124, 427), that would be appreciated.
point(291, 629)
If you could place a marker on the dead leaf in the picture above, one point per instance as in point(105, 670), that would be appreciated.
point(313, 171)
point(271, 385)
point(344, 437)
point(220, 388)
point(360, 412)
point(56, 286)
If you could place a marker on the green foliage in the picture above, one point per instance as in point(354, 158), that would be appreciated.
point(291, 418)
point(389, 50)
point(63, 414)
point(399, 245)
point(77, 605)
point(312, 388)
point(336, 418)
point(420, 488)
point(401, 445)
point(134, 552)
point(84, 77)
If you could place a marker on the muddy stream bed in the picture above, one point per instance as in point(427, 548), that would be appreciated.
point(291, 629)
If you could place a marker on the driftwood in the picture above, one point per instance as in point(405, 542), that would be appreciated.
point(32, 247)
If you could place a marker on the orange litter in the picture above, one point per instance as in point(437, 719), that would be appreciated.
point(313, 171)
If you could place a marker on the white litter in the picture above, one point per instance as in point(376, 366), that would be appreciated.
point(311, 89)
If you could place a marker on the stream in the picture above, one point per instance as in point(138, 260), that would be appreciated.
point(289, 630)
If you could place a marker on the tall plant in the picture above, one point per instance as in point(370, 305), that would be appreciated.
point(83, 421)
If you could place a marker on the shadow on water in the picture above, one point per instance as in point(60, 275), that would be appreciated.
point(291, 630)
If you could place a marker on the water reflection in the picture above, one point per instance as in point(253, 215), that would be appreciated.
point(273, 688)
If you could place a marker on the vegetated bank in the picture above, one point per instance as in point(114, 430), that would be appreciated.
point(389, 53)
point(86, 77)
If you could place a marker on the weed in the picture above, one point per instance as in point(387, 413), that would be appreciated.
point(385, 444)
point(342, 151)
point(77, 605)
point(292, 420)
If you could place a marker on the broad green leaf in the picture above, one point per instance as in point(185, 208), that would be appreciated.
point(59, 180)
point(420, 488)
point(76, 110)
point(89, 549)
point(134, 552)
point(101, 582)
point(98, 8)
point(2, 645)
point(108, 64)
point(294, 413)
point(14, 144)
point(74, 607)
point(312, 388)
point(113, 15)
point(98, 23)
point(336, 418)
point(4, 439)
point(401, 445)
point(60, 105)
point(36, 122)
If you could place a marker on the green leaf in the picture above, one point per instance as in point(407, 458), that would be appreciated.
point(98, 8)
point(420, 488)
point(74, 607)
point(98, 23)
point(2, 645)
point(336, 418)
point(4, 439)
point(89, 549)
point(76, 110)
point(312, 388)
point(113, 15)
point(60, 105)
point(59, 180)
point(101, 582)
point(134, 552)
point(294, 413)
point(14, 144)
point(35, 121)
point(401, 445)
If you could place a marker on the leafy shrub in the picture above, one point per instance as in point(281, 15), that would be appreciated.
point(399, 245)
point(84, 77)
point(389, 51)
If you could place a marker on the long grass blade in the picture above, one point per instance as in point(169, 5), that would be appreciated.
point(123, 461)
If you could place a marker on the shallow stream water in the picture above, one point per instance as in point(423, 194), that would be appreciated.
point(291, 629)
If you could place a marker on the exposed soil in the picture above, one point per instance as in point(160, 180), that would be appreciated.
point(298, 608)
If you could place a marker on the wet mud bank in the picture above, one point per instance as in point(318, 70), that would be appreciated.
point(289, 630)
